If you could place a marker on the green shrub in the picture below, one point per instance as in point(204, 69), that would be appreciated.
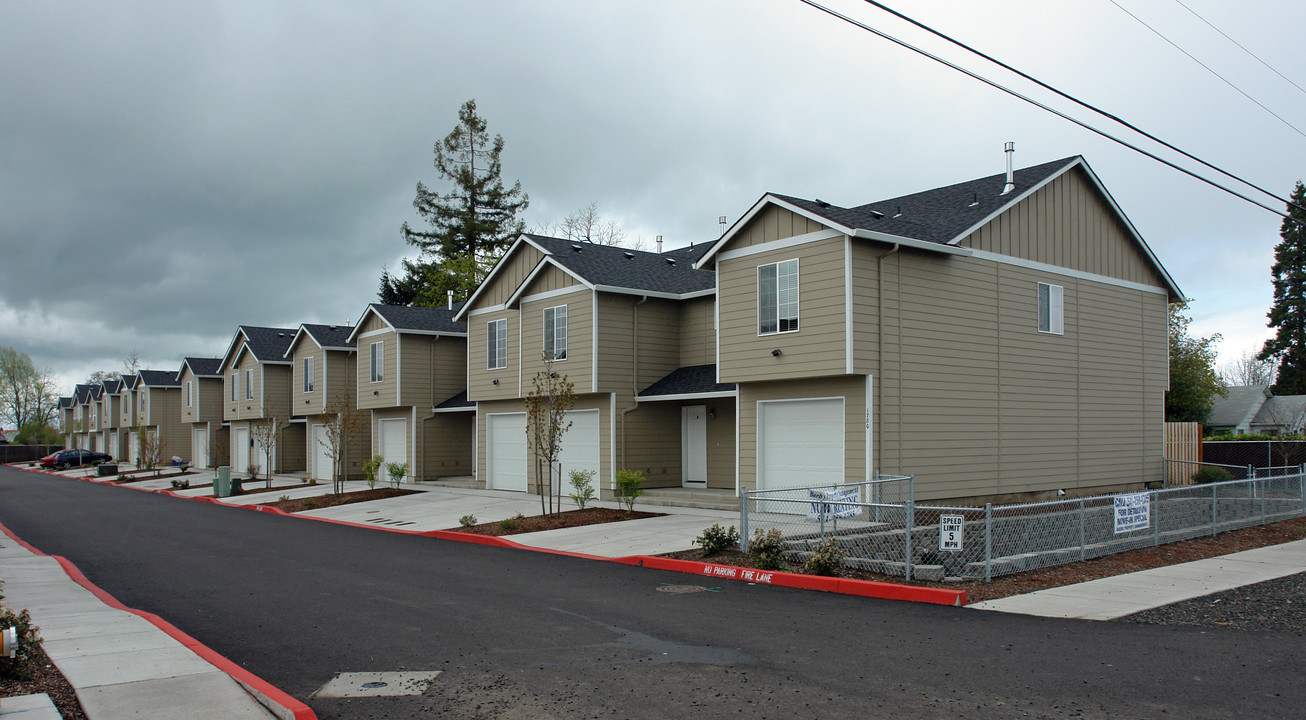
point(372, 470)
point(716, 539)
point(767, 550)
point(582, 487)
point(24, 661)
point(397, 472)
point(1211, 475)
point(629, 484)
point(283, 498)
point(511, 523)
point(467, 520)
point(826, 558)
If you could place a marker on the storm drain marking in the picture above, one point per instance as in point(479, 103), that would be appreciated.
point(377, 684)
point(672, 589)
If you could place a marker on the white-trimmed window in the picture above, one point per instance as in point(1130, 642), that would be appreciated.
point(235, 380)
point(1051, 309)
point(555, 332)
point(777, 297)
point(308, 374)
point(249, 384)
point(496, 344)
point(189, 399)
point(378, 361)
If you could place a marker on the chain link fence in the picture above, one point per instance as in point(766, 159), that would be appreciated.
point(879, 528)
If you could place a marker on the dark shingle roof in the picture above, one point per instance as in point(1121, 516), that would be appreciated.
point(203, 367)
point(421, 319)
point(66, 402)
point(457, 402)
point(129, 382)
point(96, 391)
point(111, 386)
point(82, 393)
point(159, 378)
point(335, 336)
point(268, 344)
point(616, 266)
point(688, 381)
point(1237, 403)
point(937, 215)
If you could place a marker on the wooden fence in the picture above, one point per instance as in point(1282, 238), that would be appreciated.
point(1183, 441)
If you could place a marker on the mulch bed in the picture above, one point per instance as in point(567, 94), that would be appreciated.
point(47, 679)
point(131, 476)
point(1071, 573)
point(260, 489)
point(326, 501)
point(571, 518)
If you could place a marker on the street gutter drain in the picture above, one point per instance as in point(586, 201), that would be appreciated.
point(377, 684)
point(681, 589)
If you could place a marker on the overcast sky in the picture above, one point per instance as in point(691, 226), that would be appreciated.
point(169, 171)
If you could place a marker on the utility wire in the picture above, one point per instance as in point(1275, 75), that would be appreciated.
point(1035, 103)
point(1240, 46)
point(1079, 102)
point(1208, 68)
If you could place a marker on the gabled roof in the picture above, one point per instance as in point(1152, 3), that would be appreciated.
point(97, 391)
point(691, 380)
point(82, 393)
point(158, 378)
point(111, 386)
point(457, 403)
point(1286, 412)
point(327, 337)
point(266, 344)
point(1237, 406)
point(415, 320)
point(201, 367)
point(129, 382)
point(66, 402)
point(940, 218)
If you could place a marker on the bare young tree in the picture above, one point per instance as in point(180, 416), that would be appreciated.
point(151, 450)
point(546, 410)
point(26, 394)
point(1248, 369)
point(266, 434)
point(587, 225)
point(343, 422)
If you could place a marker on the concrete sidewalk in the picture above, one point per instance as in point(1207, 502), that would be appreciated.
point(121, 665)
point(1115, 597)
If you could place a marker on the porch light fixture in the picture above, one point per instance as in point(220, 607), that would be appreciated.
point(777, 352)
point(495, 381)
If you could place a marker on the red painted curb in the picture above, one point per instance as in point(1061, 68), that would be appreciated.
point(842, 586)
point(297, 709)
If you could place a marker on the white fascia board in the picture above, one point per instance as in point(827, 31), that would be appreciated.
point(494, 272)
point(781, 244)
point(912, 243)
point(432, 333)
point(539, 268)
point(550, 294)
point(471, 409)
point(354, 336)
point(302, 332)
point(653, 293)
point(226, 357)
point(486, 310)
point(1013, 201)
point(752, 212)
point(688, 396)
point(1066, 272)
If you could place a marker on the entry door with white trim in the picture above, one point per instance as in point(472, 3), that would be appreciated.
point(199, 447)
point(693, 446)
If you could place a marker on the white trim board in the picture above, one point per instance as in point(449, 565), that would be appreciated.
point(1066, 272)
point(688, 396)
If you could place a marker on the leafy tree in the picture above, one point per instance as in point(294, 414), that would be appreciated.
point(36, 433)
point(470, 226)
point(547, 404)
point(26, 394)
point(1193, 380)
point(1287, 349)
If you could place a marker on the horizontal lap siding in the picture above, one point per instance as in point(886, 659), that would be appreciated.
point(652, 443)
point(415, 366)
point(307, 403)
point(721, 443)
point(277, 393)
point(447, 445)
point(818, 346)
point(580, 340)
point(210, 399)
point(448, 369)
point(188, 414)
point(866, 306)
point(851, 388)
point(341, 378)
point(658, 354)
point(480, 380)
point(379, 394)
point(616, 350)
point(698, 332)
point(1113, 437)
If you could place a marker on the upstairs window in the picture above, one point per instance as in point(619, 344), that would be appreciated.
point(378, 361)
point(235, 380)
point(308, 374)
point(189, 399)
point(496, 344)
point(555, 332)
point(1051, 303)
point(777, 297)
point(249, 384)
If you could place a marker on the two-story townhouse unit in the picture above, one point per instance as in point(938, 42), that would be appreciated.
point(632, 331)
point(411, 377)
point(256, 391)
point(158, 413)
point(82, 414)
point(201, 410)
point(999, 337)
point(67, 423)
point(323, 386)
point(95, 423)
point(127, 418)
point(111, 438)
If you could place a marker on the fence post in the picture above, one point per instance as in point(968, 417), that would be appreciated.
point(1082, 547)
point(1264, 487)
point(1156, 520)
point(910, 507)
point(988, 542)
point(743, 520)
point(1214, 487)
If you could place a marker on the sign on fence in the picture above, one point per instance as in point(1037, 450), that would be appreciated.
point(950, 531)
point(1132, 512)
point(831, 503)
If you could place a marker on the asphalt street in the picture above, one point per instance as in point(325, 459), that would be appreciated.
point(520, 634)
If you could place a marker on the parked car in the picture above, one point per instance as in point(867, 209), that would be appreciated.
point(73, 458)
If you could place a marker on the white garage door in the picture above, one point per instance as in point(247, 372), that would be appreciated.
point(393, 441)
point(199, 447)
point(133, 452)
point(240, 449)
point(321, 453)
point(580, 447)
point(505, 443)
point(800, 443)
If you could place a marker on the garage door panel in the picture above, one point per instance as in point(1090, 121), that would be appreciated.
point(800, 443)
point(506, 452)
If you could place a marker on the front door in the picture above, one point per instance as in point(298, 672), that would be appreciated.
point(240, 449)
point(693, 445)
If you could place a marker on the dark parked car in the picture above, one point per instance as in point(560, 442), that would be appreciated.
point(73, 458)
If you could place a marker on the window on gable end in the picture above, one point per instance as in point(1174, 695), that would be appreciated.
point(777, 297)
point(555, 332)
point(496, 344)
point(378, 361)
point(308, 374)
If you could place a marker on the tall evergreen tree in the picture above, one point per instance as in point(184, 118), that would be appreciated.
point(1288, 313)
point(470, 226)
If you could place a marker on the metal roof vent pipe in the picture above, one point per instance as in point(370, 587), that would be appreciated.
point(1010, 149)
point(450, 299)
point(659, 244)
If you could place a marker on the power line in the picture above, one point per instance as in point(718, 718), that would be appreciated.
point(1240, 46)
point(1035, 103)
point(1077, 101)
point(1208, 68)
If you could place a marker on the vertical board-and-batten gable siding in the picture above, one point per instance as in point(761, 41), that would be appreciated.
point(549, 279)
point(508, 277)
point(578, 367)
point(773, 223)
point(697, 332)
point(1069, 224)
point(849, 387)
point(816, 349)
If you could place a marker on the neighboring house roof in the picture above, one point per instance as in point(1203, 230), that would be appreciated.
point(111, 386)
point(158, 378)
point(129, 382)
point(940, 218)
point(1282, 412)
point(691, 380)
point(266, 344)
point(1237, 407)
point(201, 367)
point(456, 403)
point(66, 402)
point(418, 320)
point(82, 394)
point(97, 391)
point(327, 337)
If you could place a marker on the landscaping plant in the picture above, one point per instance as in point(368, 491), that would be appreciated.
point(511, 523)
point(372, 470)
point(826, 558)
point(717, 539)
point(397, 472)
point(582, 487)
point(1211, 475)
point(767, 550)
point(629, 486)
point(467, 520)
point(24, 661)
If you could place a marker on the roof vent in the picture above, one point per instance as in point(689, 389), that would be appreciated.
point(822, 203)
point(877, 214)
point(629, 255)
point(1010, 149)
point(659, 244)
point(281, 334)
point(975, 201)
point(575, 247)
point(671, 261)
point(897, 212)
